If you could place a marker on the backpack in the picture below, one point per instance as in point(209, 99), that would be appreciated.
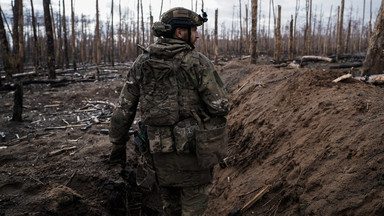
point(159, 91)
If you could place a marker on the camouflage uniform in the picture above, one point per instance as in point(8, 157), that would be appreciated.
point(184, 185)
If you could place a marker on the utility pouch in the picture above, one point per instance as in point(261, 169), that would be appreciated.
point(212, 142)
point(184, 133)
point(145, 174)
point(160, 139)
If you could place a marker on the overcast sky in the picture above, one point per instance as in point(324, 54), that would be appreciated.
point(227, 8)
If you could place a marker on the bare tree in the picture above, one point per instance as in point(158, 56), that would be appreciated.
point(348, 36)
point(18, 37)
point(216, 38)
point(241, 32)
point(20, 56)
point(142, 21)
point(120, 39)
point(297, 8)
point(66, 57)
point(74, 56)
point(290, 46)
point(7, 61)
point(254, 33)
point(246, 30)
point(327, 40)
point(202, 41)
point(98, 37)
point(112, 38)
point(309, 30)
point(151, 39)
point(50, 45)
point(374, 60)
point(340, 32)
point(278, 36)
point(36, 50)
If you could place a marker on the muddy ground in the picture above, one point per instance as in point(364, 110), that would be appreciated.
point(319, 144)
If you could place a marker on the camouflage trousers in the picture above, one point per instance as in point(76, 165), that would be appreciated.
point(185, 201)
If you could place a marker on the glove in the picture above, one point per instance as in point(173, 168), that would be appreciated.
point(118, 154)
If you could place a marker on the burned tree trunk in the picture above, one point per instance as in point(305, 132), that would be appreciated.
point(216, 39)
point(151, 38)
point(18, 103)
point(340, 32)
point(112, 38)
point(50, 45)
point(309, 30)
point(278, 36)
point(241, 33)
point(202, 41)
point(253, 34)
point(290, 46)
point(362, 28)
point(120, 39)
point(74, 56)
point(15, 37)
point(374, 61)
point(142, 22)
point(7, 61)
point(66, 58)
point(20, 56)
point(97, 35)
point(36, 50)
point(246, 30)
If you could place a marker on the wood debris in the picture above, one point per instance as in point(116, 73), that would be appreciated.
point(346, 76)
point(60, 151)
point(64, 127)
point(317, 58)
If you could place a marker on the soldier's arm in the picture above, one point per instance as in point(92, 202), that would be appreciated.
point(125, 111)
point(212, 90)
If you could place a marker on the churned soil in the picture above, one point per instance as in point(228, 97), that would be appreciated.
point(318, 144)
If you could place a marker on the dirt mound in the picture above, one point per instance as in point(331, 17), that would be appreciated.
point(318, 143)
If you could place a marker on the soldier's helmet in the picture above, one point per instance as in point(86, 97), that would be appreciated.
point(177, 17)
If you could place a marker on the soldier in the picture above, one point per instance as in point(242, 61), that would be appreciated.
point(183, 105)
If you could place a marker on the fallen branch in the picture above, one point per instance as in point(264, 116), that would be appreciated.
point(317, 58)
point(86, 110)
point(242, 86)
point(280, 65)
point(51, 105)
point(70, 179)
point(65, 127)
point(102, 102)
point(241, 210)
point(346, 76)
point(53, 153)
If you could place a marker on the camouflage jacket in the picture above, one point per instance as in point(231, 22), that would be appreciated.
point(201, 90)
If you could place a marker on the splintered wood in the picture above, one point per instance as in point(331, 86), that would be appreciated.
point(346, 76)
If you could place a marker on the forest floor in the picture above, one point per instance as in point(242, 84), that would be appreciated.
point(319, 144)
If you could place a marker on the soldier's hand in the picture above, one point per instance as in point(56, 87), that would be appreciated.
point(118, 154)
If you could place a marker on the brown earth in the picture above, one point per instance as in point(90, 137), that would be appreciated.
point(319, 144)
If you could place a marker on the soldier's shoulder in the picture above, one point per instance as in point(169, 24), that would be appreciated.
point(198, 56)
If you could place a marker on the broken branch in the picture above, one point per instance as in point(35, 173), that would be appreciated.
point(102, 102)
point(346, 76)
point(53, 153)
point(317, 58)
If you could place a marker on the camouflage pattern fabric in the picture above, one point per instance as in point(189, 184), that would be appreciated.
point(199, 88)
point(194, 200)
